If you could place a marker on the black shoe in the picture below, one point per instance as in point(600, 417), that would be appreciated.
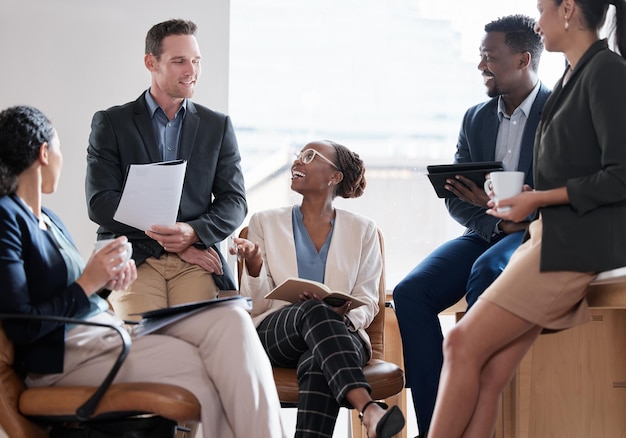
point(390, 424)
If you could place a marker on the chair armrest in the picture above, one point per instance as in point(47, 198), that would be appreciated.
point(85, 411)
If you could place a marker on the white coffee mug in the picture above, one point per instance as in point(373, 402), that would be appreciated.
point(99, 244)
point(504, 184)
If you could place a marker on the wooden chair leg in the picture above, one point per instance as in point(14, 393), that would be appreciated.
point(394, 354)
point(358, 431)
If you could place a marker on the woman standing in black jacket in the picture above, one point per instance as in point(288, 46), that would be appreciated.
point(580, 178)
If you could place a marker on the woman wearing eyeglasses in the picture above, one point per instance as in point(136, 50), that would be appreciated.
point(328, 345)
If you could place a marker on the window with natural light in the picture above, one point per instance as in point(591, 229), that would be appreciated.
point(389, 80)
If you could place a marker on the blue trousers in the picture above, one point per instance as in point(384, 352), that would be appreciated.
point(466, 265)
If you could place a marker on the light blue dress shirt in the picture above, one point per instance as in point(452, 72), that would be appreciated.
point(167, 132)
point(311, 263)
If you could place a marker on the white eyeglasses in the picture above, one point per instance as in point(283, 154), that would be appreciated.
point(308, 155)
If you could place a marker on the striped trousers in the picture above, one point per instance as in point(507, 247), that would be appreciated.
point(329, 359)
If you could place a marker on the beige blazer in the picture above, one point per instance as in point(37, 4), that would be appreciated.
point(354, 262)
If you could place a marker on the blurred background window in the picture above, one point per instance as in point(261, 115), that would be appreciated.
point(390, 80)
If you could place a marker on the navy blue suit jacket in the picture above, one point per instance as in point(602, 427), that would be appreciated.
point(477, 142)
point(34, 282)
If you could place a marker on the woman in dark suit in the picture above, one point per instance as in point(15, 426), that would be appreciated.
point(580, 178)
point(43, 274)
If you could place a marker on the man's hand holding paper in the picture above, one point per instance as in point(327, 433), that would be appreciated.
point(173, 238)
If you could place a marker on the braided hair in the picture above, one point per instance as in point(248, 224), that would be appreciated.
point(350, 164)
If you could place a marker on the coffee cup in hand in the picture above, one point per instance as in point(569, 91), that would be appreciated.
point(504, 184)
point(99, 244)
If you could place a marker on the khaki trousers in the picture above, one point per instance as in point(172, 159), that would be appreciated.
point(161, 283)
point(215, 354)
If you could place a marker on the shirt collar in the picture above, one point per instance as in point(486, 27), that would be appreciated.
point(525, 106)
point(153, 106)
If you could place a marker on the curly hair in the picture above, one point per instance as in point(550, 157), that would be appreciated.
point(23, 129)
point(350, 164)
point(158, 32)
point(519, 35)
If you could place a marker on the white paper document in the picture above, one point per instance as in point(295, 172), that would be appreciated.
point(151, 194)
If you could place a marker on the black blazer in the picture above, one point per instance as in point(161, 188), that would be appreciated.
point(213, 200)
point(34, 281)
point(581, 144)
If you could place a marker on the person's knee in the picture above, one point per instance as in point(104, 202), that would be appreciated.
point(237, 315)
point(399, 293)
point(483, 268)
point(306, 365)
point(232, 319)
point(456, 348)
point(484, 273)
point(407, 292)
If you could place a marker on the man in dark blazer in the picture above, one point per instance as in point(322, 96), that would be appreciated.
point(501, 129)
point(179, 263)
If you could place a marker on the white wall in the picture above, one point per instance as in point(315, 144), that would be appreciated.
point(71, 58)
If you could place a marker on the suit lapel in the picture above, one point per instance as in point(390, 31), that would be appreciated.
point(489, 135)
point(144, 126)
point(190, 131)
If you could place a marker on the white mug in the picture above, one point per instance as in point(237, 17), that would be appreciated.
point(99, 244)
point(504, 184)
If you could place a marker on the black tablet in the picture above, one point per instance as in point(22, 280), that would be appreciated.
point(476, 171)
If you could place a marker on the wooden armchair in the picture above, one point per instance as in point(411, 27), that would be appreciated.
point(61, 411)
point(385, 378)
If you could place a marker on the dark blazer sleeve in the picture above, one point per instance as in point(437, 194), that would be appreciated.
point(477, 142)
point(214, 199)
point(119, 137)
point(581, 146)
point(34, 277)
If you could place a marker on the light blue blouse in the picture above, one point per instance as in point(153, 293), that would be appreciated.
point(311, 263)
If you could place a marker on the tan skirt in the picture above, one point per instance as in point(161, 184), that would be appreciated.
point(553, 300)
